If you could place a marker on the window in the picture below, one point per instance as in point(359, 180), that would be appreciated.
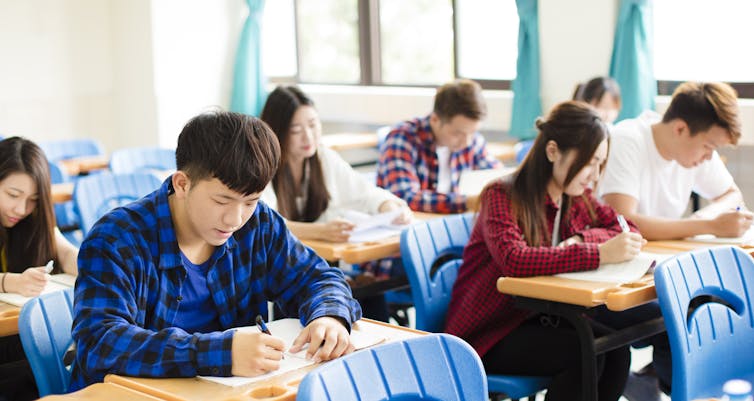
point(713, 45)
point(391, 42)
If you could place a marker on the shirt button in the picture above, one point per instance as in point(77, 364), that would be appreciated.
point(215, 371)
point(180, 298)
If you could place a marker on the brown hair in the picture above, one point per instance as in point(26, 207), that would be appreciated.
point(573, 125)
point(463, 97)
point(593, 91)
point(278, 112)
point(702, 105)
point(31, 242)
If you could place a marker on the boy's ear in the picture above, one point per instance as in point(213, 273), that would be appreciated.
point(181, 183)
point(680, 127)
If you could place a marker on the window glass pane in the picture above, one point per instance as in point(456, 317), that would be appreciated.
point(279, 39)
point(329, 41)
point(416, 41)
point(487, 33)
point(703, 40)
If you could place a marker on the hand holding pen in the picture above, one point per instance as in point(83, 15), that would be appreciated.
point(624, 246)
point(255, 353)
point(733, 223)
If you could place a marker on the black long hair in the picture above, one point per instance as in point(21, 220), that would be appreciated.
point(31, 242)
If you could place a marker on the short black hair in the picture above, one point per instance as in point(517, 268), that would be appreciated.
point(239, 150)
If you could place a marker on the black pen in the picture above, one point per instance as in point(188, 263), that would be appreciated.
point(263, 327)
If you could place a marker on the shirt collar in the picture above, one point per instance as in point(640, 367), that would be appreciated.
point(170, 253)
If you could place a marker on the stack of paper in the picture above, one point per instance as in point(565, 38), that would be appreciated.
point(288, 330)
point(747, 238)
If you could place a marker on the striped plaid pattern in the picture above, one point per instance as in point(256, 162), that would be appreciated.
point(129, 285)
point(408, 167)
point(480, 314)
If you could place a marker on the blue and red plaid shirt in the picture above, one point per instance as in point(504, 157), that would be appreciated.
point(480, 314)
point(408, 167)
point(129, 288)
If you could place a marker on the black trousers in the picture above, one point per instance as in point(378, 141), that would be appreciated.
point(16, 379)
point(547, 346)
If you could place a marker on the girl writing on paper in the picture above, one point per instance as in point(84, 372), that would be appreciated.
point(314, 186)
point(543, 220)
point(28, 240)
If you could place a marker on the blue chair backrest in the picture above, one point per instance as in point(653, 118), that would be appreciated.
point(62, 149)
point(65, 215)
point(432, 253)
point(44, 326)
point(522, 149)
point(96, 195)
point(436, 367)
point(706, 301)
point(148, 159)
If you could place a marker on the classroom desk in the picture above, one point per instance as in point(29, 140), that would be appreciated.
point(355, 253)
point(350, 140)
point(8, 319)
point(573, 300)
point(279, 388)
point(85, 164)
point(62, 192)
point(103, 391)
point(502, 151)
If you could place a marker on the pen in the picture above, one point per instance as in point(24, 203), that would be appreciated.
point(48, 267)
point(263, 328)
point(623, 224)
point(262, 325)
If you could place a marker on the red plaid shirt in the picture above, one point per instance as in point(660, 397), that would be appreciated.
point(480, 314)
point(408, 167)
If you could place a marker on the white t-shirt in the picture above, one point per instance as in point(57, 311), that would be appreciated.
point(662, 187)
point(443, 170)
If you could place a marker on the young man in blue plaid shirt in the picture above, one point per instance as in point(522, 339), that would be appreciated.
point(161, 280)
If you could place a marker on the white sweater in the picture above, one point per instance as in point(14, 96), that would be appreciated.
point(348, 189)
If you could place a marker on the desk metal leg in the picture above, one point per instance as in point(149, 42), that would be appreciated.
point(591, 346)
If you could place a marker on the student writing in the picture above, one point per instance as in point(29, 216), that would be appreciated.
point(543, 220)
point(28, 241)
point(161, 280)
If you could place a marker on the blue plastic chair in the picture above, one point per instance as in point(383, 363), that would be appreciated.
point(44, 327)
point(65, 214)
point(437, 367)
point(61, 149)
point(706, 301)
point(96, 195)
point(432, 254)
point(522, 149)
point(148, 159)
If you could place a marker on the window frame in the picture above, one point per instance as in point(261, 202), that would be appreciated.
point(370, 52)
point(745, 89)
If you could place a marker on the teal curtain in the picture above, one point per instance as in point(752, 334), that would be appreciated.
point(248, 91)
point(527, 105)
point(632, 63)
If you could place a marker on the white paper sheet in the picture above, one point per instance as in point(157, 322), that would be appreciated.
point(625, 272)
point(373, 227)
point(288, 330)
point(747, 238)
point(472, 182)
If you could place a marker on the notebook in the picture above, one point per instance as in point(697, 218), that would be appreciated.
point(624, 272)
point(288, 330)
point(56, 282)
point(472, 182)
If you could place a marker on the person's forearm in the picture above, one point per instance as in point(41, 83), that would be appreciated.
point(303, 231)
point(725, 202)
point(656, 228)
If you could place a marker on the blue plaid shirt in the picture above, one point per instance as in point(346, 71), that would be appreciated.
point(130, 281)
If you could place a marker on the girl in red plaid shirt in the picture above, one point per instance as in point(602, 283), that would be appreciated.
point(543, 220)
